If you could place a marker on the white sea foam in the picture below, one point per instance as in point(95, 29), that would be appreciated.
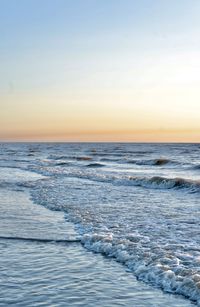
point(151, 237)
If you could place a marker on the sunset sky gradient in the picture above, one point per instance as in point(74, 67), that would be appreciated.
point(100, 70)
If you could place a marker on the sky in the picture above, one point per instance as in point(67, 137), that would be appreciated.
point(100, 70)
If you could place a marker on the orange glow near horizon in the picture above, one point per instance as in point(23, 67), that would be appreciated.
point(108, 136)
point(153, 116)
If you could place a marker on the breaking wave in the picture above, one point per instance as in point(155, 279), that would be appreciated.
point(154, 182)
point(155, 266)
point(156, 162)
point(167, 183)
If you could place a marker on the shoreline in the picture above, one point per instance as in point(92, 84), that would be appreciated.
point(62, 273)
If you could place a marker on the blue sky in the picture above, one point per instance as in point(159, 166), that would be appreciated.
point(82, 50)
point(42, 38)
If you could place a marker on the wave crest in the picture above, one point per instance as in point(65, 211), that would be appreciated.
point(167, 183)
point(153, 162)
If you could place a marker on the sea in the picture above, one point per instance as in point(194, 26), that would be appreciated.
point(99, 224)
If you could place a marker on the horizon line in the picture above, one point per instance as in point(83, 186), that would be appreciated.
point(118, 142)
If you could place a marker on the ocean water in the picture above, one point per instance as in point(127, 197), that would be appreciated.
point(99, 224)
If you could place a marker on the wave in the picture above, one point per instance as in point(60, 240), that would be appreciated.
point(161, 161)
point(167, 183)
point(156, 162)
point(76, 240)
point(11, 166)
point(144, 162)
point(164, 263)
point(95, 165)
point(155, 182)
point(158, 270)
point(63, 164)
point(77, 158)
